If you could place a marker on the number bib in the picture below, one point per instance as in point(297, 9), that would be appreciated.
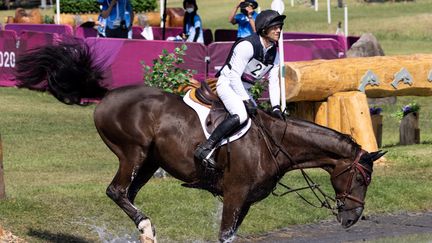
point(255, 70)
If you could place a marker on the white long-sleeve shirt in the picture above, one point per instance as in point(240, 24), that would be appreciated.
point(240, 59)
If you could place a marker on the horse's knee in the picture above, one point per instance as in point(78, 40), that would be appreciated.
point(113, 193)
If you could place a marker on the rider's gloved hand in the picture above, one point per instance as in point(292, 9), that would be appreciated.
point(250, 108)
point(276, 112)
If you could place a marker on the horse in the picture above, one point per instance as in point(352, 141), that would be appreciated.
point(147, 129)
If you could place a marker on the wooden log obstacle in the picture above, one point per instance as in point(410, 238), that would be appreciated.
point(333, 93)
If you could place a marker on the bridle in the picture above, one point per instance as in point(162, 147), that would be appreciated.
point(353, 169)
point(323, 198)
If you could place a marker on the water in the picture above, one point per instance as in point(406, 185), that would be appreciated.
point(106, 236)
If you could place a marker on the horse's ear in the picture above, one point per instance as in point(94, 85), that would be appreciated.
point(374, 155)
point(369, 158)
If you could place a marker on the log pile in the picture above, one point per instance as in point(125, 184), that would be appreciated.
point(318, 79)
point(333, 93)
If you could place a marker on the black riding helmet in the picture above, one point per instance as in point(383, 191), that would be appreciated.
point(268, 18)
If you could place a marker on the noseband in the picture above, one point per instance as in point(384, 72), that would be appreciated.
point(353, 169)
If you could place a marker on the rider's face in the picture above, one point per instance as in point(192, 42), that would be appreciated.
point(274, 32)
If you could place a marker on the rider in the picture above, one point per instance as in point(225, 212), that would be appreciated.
point(250, 59)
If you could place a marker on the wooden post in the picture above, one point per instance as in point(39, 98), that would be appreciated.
point(409, 132)
point(2, 185)
point(377, 128)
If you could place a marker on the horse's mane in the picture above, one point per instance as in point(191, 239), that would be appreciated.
point(328, 138)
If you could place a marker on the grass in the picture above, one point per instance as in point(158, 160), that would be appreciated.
point(57, 168)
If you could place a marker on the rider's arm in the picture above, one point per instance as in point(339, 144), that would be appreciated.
point(274, 88)
point(242, 53)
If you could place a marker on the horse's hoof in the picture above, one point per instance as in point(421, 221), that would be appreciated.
point(146, 239)
point(147, 232)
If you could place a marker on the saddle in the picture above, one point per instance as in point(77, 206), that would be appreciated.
point(206, 95)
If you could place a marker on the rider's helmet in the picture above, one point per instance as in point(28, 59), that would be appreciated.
point(266, 19)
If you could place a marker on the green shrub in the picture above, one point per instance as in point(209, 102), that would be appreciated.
point(166, 74)
point(92, 6)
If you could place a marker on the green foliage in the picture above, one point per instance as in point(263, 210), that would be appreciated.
point(82, 6)
point(92, 6)
point(257, 91)
point(48, 19)
point(410, 108)
point(166, 73)
point(144, 5)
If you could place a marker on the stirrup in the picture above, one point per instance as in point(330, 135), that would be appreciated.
point(208, 160)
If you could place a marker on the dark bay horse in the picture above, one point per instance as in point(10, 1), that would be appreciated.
point(149, 129)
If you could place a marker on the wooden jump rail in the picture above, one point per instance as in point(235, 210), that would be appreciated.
point(333, 93)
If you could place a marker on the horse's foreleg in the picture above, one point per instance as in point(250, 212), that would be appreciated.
point(131, 167)
point(234, 211)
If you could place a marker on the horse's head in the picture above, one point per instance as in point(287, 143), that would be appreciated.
point(350, 181)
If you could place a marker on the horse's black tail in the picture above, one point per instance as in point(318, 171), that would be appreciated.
point(67, 70)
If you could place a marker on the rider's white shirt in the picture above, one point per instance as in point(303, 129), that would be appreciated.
point(241, 56)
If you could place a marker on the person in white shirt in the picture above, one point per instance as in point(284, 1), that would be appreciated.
point(251, 59)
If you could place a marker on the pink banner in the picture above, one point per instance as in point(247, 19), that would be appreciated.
point(125, 57)
point(47, 28)
point(304, 50)
point(218, 53)
point(8, 54)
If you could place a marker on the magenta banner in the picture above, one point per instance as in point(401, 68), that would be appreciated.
point(8, 54)
point(125, 58)
point(47, 28)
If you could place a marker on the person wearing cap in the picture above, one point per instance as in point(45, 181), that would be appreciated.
point(250, 60)
point(245, 19)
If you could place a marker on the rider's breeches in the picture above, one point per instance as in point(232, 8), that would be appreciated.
point(232, 101)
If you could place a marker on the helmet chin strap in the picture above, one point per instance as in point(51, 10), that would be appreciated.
point(266, 40)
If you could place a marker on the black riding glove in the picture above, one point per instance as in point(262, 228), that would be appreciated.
point(250, 108)
point(276, 112)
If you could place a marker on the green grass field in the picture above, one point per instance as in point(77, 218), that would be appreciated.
point(57, 168)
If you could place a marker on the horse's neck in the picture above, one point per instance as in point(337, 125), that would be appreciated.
point(309, 145)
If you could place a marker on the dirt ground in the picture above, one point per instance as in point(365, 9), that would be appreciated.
point(369, 228)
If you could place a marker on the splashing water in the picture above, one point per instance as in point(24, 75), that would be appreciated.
point(106, 236)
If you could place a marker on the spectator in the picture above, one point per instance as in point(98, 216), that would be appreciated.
point(119, 18)
point(245, 19)
point(192, 24)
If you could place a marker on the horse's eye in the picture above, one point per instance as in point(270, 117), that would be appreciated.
point(359, 178)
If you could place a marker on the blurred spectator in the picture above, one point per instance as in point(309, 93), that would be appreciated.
point(245, 19)
point(192, 24)
point(119, 18)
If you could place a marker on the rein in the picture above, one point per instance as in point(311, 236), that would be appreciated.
point(314, 187)
point(323, 198)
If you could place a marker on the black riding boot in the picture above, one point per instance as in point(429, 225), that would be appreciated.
point(221, 131)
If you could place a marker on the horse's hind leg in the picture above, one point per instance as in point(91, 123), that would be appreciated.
point(134, 171)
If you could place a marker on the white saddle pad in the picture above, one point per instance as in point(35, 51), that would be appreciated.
point(203, 112)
